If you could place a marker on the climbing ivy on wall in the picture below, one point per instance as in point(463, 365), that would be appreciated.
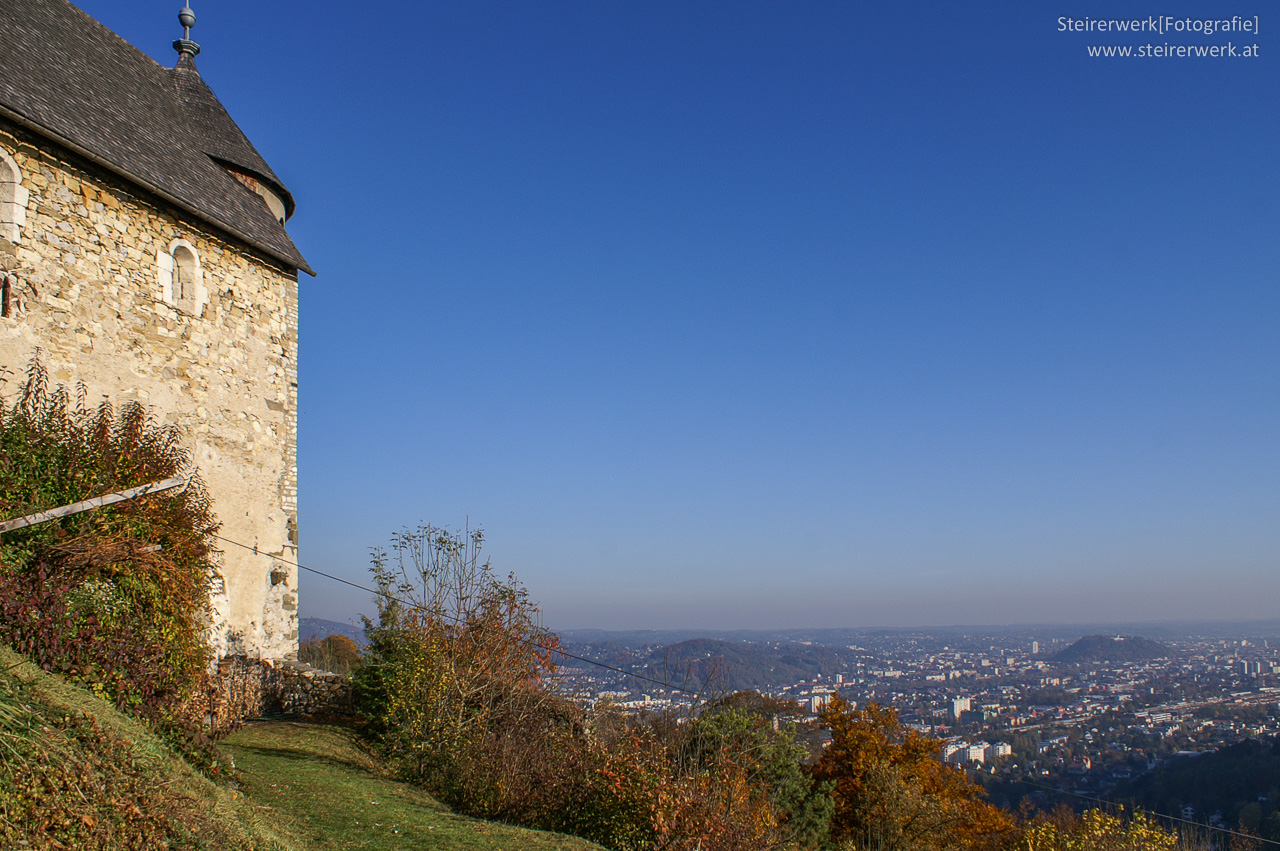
point(118, 597)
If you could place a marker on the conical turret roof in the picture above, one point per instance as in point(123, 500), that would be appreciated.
point(69, 78)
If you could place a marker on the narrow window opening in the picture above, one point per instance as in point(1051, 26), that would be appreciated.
point(184, 288)
point(180, 278)
point(14, 292)
point(13, 198)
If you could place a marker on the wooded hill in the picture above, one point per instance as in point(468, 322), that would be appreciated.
point(1112, 648)
point(726, 666)
point(1241, 782)
point(722, 666)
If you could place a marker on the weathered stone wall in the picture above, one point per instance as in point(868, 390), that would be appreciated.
point(252, 688)
point(216, 357)
point(304, 690)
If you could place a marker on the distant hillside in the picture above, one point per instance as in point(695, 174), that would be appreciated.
point(309, 628)
point(733, 667)
point(1112, 648)
point(1234, 780)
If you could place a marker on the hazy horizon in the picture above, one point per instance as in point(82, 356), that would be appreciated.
point(746, 313)
point(1263, 626)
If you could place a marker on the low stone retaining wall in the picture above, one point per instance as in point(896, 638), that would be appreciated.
point(304, 690)
point(252, 688)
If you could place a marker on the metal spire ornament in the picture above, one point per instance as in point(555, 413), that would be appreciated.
point(185, 46)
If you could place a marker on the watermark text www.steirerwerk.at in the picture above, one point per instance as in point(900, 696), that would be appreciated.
point(1208, 38)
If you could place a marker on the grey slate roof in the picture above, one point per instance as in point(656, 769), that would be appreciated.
point(69, 78)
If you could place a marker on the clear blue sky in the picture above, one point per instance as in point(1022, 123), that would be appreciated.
point(778, 314)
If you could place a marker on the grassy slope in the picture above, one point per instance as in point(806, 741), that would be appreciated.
point(76, 773)
point(332, 795)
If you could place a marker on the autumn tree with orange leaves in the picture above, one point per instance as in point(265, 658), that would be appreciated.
point(893, 793)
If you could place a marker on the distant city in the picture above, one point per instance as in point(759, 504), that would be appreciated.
point(1035, 711)
point(1040, 712)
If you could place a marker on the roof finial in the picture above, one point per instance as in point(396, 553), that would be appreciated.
point(185, 46)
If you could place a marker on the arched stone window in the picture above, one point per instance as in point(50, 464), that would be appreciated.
point(13, 198)
point(181, 278)
point(185, 266)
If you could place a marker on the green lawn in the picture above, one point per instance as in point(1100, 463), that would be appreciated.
point(323, 788)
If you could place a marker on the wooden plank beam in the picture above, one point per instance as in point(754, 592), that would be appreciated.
point(91, 504)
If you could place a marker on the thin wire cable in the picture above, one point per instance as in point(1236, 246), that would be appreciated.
point(1149, 812)
point(413, 605)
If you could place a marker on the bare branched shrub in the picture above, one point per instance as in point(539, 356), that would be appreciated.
point(452, 686)
point(454, 649)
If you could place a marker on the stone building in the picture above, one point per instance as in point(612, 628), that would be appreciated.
point(143, 252)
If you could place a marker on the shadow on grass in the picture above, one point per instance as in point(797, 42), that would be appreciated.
point(302, 755)
point(321, 782)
